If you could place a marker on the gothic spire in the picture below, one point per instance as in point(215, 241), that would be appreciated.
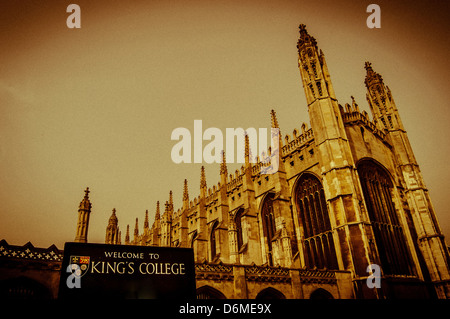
point(185, 191)
point(372, 77)
point(185, 195)
point(273, 117)
point(223, 171)
point(113, 219)
point(313, 70)
point(157, 213)
point(112, 230)
point(127, 235)
point(84, 211)
point(85, 204)
point(379, 97)
point(223, 165)
point(202, 182)
point(136, 229)
point(274, 120)
point(146, 219)
point(202, 178)
point(171, 198)
point(305, 38)
point(248, 152)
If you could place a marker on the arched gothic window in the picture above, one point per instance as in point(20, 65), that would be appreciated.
point(238, 223)
point(213, 241)
point(377, 189)
point(318, 243)
point(268, 222)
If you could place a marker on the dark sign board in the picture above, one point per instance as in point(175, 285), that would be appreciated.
point(133, 272)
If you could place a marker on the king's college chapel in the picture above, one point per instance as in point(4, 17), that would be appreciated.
point(348, 193)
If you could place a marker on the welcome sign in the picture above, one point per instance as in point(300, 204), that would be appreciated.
point(132, 272)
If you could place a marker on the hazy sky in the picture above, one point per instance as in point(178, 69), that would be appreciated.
point(96, 106)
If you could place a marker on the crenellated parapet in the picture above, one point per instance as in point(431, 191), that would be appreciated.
point(298, 141)
point(351, 115)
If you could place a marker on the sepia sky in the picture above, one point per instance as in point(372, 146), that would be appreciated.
point(96, 106)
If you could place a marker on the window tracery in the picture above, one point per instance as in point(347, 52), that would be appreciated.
point(391, 244)
point(313, 215)
point(268, 221)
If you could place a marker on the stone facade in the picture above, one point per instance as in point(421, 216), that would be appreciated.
point(348, 193)
point(28, 272)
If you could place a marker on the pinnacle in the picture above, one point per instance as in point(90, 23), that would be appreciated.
point(302, 28)
point(136, 228)
point(223, 165)
point(202, 178)
point(371, 75)
point(248, 151)
point(273, 116)
point(157, 214)
point(146, 219)
point(185, 191)
point(85, 204)
point(113, 218)
point(305, 38)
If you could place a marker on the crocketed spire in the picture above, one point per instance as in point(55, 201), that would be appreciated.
point(273, 117)
point(223, 165)
point(85, 204)
point(185, 191)
point(202, 178)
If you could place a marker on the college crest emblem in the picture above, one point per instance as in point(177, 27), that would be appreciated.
point(80, 264)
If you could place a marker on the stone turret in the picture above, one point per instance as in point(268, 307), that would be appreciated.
point(84, 212)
